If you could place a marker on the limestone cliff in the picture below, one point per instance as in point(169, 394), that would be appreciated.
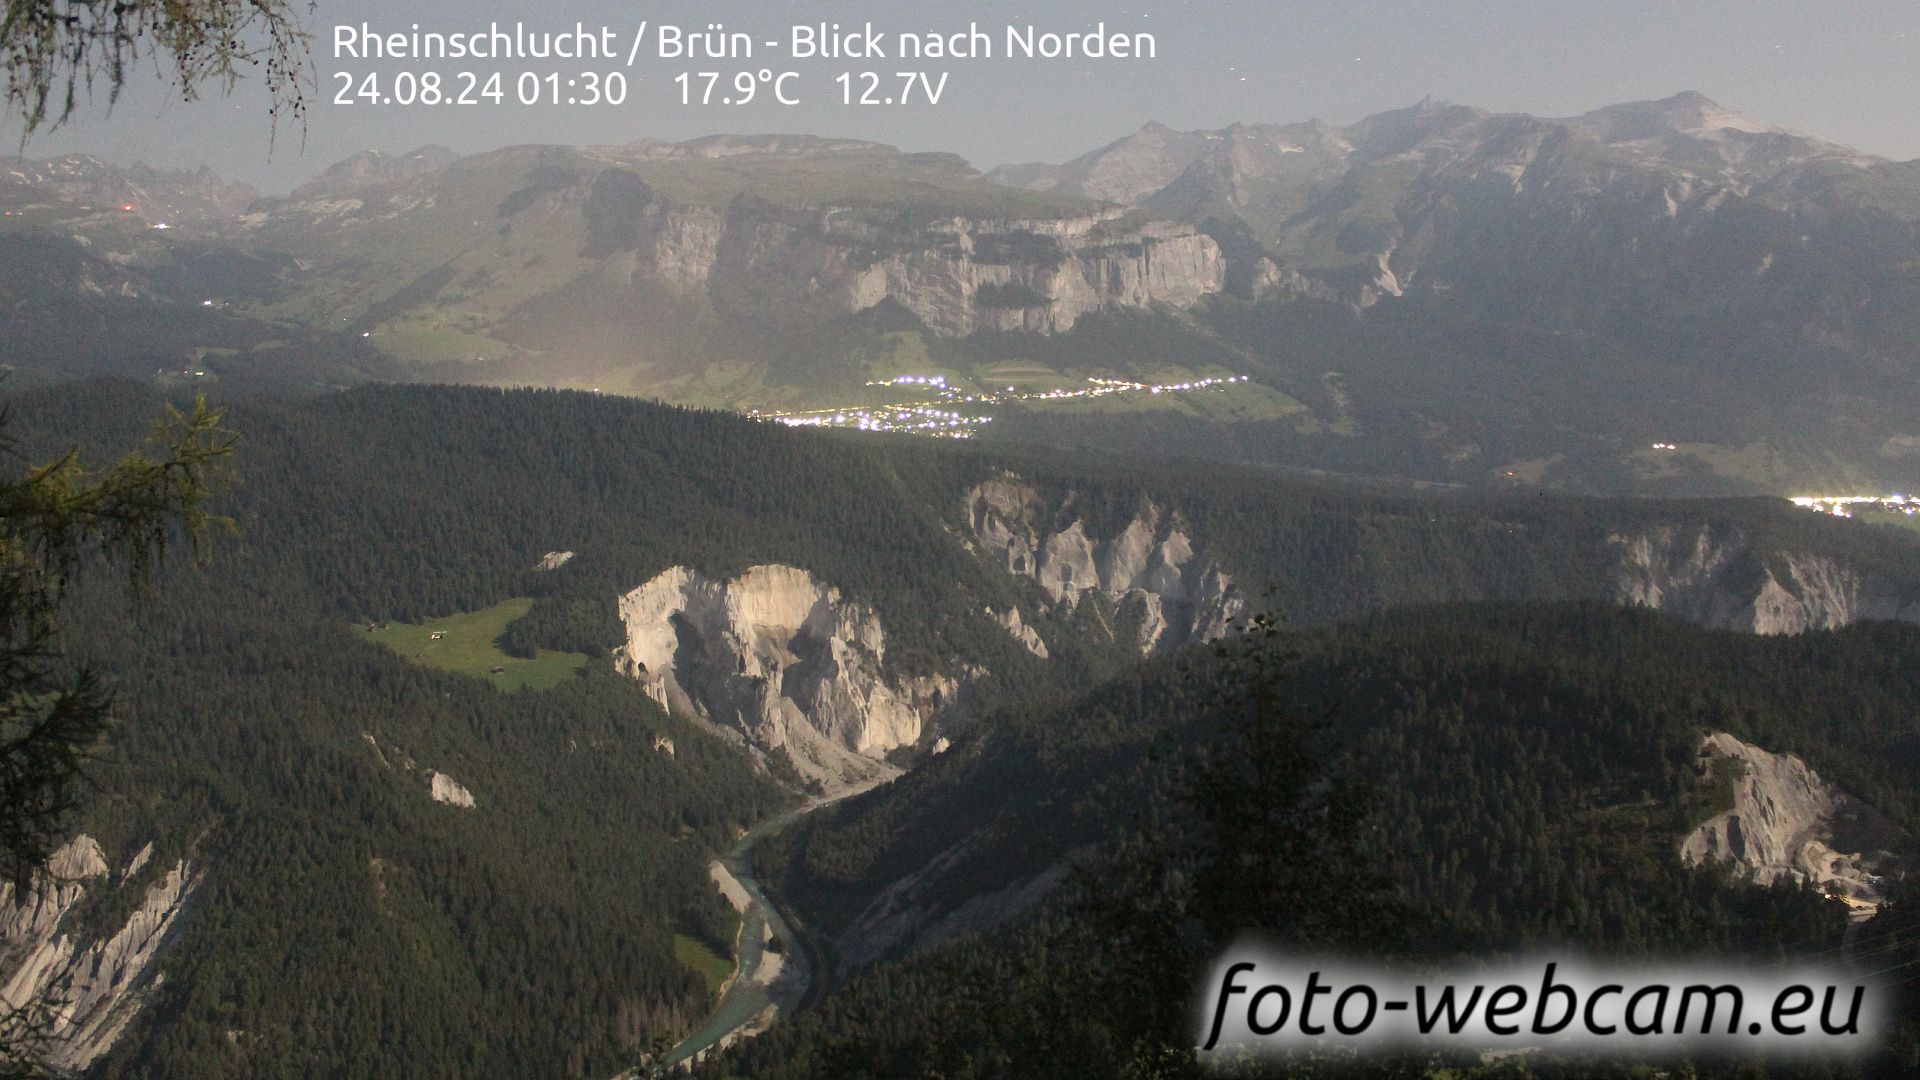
point(91, 984)
point(782, 660)
point(1787, 823)
point(1150, 563)
point(1040, 276)
point(958, 275)
point(1714, 577)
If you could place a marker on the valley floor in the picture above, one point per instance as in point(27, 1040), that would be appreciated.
point(766, 983)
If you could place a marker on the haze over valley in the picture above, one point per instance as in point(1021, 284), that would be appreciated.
point(1661, 296)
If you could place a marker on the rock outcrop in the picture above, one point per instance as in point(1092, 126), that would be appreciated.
point(782, 660)
point(1714, 577)
point(830, 228)
point(1788, 824)
point(90, 986)
point(1017, 628)
point(1181, 594)
point(957, 275)
point(447, 790)
point(554, 560)
point(440, 787)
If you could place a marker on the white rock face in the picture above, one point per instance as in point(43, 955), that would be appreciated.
point(79, 859)
point(138, 862)
point(781, 659)
point(1021, 632)
point(100, 984)
point(1183, 594)
point(1712, 577)
point(446, 789)
point(955, 291)
point(959, 276)
point(1789, 824)
point(554, 560)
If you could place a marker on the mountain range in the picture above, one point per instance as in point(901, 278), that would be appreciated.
point(1660, 296)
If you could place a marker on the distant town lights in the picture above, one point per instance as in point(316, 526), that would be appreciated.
point(923, 418)
point(1844, 505)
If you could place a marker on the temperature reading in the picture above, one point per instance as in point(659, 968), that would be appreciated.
point(707, 88)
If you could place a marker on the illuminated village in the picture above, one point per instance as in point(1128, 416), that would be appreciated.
point(947, 411)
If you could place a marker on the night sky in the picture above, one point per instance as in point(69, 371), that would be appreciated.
point(1846, 71)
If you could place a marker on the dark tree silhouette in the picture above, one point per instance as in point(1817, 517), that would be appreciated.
point(55, 519)
point(59, 53)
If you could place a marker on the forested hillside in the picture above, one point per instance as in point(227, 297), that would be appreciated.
point(1510, 779)
point(344, 920)
point(347, 912)
point(339, 916)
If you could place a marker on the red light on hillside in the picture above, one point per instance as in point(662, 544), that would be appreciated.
point(128, 208)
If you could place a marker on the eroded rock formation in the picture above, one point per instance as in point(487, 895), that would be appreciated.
point(1011, 622)
point(1787, 823)
point(781, 659)
point(1714, 577)
point(92, 986)
point(1182, 594)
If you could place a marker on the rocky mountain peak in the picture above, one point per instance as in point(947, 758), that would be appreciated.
point(1687, 113)
point(196, 196)
point(1400, 130)
point(1126, 170)
point(372, 168)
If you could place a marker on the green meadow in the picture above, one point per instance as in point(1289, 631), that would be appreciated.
point(699, 957)
point(468, 644)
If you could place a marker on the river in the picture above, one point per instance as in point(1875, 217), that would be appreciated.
point(755, 995)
